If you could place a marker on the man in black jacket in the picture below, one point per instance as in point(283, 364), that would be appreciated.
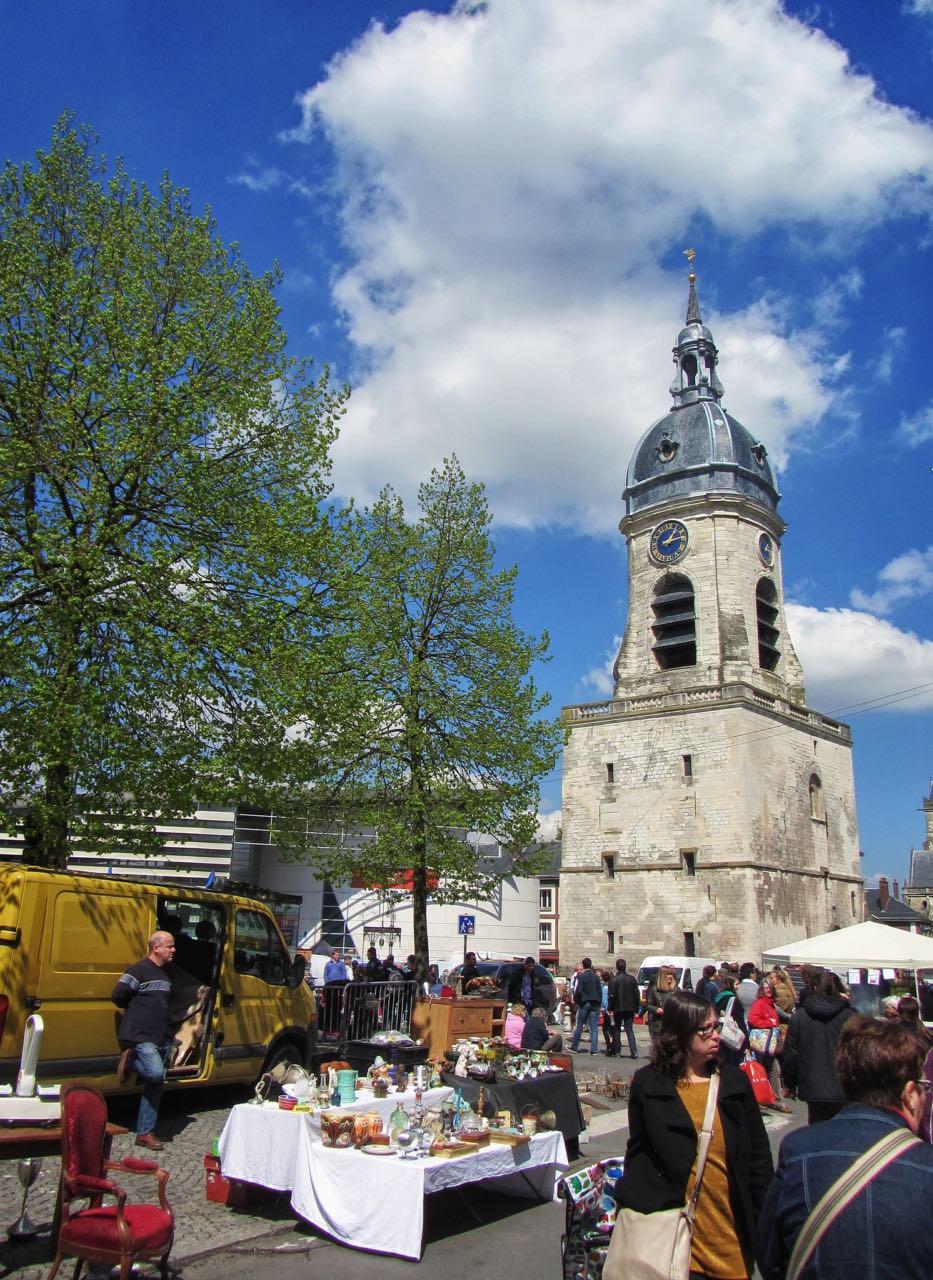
point(589, 998)
point(144, 991)
point(623, 1005)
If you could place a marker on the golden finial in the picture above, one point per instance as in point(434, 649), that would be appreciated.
point(690, 254)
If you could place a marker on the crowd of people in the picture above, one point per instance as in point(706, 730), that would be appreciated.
point(864, 1156)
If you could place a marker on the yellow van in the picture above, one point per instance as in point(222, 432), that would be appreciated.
point(66, 938)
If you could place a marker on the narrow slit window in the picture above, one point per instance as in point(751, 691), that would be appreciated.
point(688, 766)
point(689, 950)
point(817, 803)
point(610, 772)
point(609, 865)
point(689, 862)
point(610, 942)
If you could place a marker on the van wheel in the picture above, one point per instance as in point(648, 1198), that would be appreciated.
point(286, 1054)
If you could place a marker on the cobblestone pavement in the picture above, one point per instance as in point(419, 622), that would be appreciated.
point(208, 1232)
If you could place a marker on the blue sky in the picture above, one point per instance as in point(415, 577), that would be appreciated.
point(480, 213)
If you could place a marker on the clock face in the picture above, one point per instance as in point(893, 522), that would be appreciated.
point(668, 542)
point(766, 549)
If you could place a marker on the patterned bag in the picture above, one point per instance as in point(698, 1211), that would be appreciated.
point(764, 1040)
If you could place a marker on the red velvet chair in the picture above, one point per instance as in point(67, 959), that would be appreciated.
point(116, 1234)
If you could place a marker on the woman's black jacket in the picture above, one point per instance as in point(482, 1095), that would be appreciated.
point(662, 1147)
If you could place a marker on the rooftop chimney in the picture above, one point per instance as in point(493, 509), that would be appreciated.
point(897, 892)
point(882, 892)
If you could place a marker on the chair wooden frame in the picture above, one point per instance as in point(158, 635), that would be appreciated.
point(93, 1187)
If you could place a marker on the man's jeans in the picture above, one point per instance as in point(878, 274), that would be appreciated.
point(592, 1018)
point(149, 1063)
point(625, 1020)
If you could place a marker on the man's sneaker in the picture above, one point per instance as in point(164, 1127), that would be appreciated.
point(149, 1140)
point(125, 1066)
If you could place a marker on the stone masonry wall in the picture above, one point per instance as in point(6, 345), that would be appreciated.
point(765, 870)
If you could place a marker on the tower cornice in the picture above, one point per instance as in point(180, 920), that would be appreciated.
point(703, 506)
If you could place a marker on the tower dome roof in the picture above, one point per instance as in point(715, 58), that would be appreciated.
point(698, 447)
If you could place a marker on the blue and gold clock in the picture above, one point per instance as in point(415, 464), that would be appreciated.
point(766, 550)
point(668, 542)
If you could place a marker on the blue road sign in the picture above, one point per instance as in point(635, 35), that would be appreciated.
point(466, 924)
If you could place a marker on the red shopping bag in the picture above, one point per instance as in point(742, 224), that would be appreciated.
point(758, 1078)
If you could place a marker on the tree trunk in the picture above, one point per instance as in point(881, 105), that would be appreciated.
point(45, 826)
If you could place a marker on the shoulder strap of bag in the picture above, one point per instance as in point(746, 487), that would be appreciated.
point(843, 1191)
point(706, 1137)
point(729, 1007)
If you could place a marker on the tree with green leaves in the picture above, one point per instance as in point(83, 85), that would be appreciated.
point(450, 739)
point(165, 559)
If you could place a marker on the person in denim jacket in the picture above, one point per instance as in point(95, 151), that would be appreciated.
point(880, 1067)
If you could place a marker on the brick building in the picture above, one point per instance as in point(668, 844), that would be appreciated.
point(706, 809)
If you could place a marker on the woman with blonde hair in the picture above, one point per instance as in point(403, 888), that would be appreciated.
point(659, 989)
point(515, 1026)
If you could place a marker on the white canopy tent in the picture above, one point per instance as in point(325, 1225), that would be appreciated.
point(860, 946)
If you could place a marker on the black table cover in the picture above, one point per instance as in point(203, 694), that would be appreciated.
point(555, 1091)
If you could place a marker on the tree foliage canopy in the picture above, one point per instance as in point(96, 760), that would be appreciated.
point(449, 739)
point(165, 560)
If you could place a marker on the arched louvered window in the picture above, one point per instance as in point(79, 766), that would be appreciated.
point(768, 633)
point(674, 625)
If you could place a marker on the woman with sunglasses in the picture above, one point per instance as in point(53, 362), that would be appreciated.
point(666, 1111)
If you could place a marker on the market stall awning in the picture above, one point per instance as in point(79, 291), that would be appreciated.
point(860, 946)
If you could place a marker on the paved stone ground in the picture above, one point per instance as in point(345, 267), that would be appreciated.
point(209, 1236)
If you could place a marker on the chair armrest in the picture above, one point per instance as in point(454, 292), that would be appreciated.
point(95, 1186)
point(131, 1165)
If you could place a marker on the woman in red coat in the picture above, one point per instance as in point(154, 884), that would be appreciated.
point(763, 1016)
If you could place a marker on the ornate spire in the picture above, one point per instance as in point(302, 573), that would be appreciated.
point(695, 354)
point(693, 307)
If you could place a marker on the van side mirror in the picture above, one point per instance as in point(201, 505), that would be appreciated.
point(296, 973)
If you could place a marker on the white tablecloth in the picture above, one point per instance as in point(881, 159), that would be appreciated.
point(261, 1144)
point(373, 1202)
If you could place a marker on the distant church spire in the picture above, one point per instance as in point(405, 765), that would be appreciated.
point(693, 307)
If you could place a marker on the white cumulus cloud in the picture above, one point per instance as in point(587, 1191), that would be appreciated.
point(850, 658)
point(512, 179)
point(903, 578)
point(549, 825)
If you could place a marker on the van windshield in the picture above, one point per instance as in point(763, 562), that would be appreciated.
point(647, 973)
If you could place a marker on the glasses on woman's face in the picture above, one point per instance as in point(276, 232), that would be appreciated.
point(924, 1085)
point(708, 1030)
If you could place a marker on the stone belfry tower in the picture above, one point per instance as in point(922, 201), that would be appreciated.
point(706, 809)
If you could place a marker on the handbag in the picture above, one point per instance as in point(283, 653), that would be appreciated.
point(730, 1033)
point(656, 1246)
point(764, 1040)
point(842, 1192)
point(758, 1079)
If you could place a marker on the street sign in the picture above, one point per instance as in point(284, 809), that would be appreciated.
point(466, 924)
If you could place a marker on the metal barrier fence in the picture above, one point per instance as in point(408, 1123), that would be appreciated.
point(357, 1010)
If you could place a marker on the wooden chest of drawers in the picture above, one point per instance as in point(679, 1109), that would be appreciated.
point(438, 1023)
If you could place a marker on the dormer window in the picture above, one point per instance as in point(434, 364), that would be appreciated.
point(667, 449)
point(759, 453)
